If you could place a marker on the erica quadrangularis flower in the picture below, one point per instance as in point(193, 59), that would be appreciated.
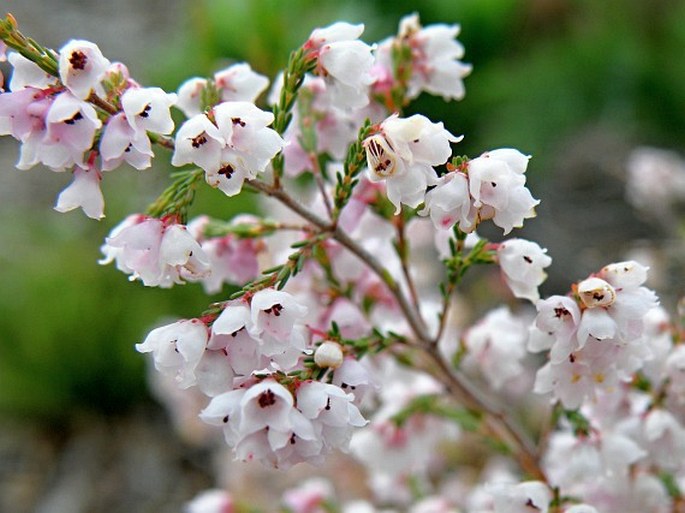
point(403, 153)
point(596, 336)
point(158, 252)
point(344, 62)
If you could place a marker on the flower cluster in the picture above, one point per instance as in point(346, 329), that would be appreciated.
point(157, 252)
point(491, 186)
point(62, 129)
point(595, 338)
point(338, 306)
point(240, 361)
point(428, 58)
point(231, 142)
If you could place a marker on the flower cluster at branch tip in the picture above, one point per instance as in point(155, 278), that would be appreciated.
point(60, 128)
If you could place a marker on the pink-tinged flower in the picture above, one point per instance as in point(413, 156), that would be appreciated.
point(84, 192)
point(122, 143)
point(266, 403)
point(250, 145)
point(434, 59)
point(277, 322)
point(449, 203)
point(664, 439)
point(497, 186)
point(598, 349)
point(81, 66)
point(522, 263)
point(355, 378)
point(436, 67)
point(190, 96)
point(71, 126)
point(147, 109)
point(214, 373)
point(232, 259)
point(578, 463)
point(496, 346)
point(331, 410)
point(239, 83)
point(275, 313)
point(199, 142)
point(22, 112)
point(211, 501)
point(348, 316)
point(177, 349)
point(403, 154)
point(27, 74)
point(224, 411)
point(158, 253)
point(555, 327)
point(344, 62)
point(521, 498)
point(335, 128)
point(230, 333)
point(309, 497)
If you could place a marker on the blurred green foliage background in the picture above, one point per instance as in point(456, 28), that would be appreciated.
point(544, 70)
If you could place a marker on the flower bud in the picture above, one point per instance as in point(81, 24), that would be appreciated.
point(329, 354)
point(595, 292)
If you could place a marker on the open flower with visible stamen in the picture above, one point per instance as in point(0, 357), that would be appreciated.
point(199, 142)
point(403, 154)
point(250, 145)
point(70, 129)
point(147, 109)
point(81, 66)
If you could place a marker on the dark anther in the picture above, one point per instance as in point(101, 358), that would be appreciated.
point(227, 170)
point(328, 404)
point(225, 419)
point(597, 296)
point(199, 140)
point(238, 121)
point(275, 309)
point(530, 504)
point(145, 113)
point(78, 60)
point(528, 259)
point(558, 312)
point(267, 398)
point(72, 120)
